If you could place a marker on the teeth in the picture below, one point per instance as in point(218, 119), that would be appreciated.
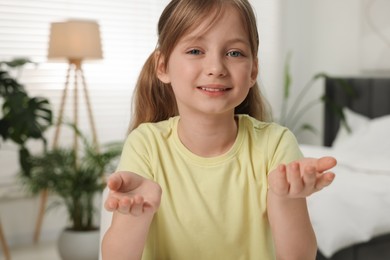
point(214, 89)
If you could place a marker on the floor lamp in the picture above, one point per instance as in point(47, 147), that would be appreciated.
point(74, 41)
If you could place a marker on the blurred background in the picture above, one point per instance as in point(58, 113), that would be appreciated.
point(339, 38)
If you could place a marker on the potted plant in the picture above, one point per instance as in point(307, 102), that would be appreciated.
point(292, 111)
point(75, 182)
point(22, 117)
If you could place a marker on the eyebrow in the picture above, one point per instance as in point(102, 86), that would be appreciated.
point(189, 39)
point(239, 40)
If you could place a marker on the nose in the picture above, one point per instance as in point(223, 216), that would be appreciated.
point(215, 66)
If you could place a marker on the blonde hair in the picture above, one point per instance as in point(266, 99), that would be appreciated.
point(154, 100)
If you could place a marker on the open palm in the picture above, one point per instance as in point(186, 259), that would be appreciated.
point(132, 194)
point(301, 178)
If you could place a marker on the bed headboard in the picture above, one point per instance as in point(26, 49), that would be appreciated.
point(370, 97)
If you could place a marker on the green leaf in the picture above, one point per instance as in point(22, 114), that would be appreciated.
point(24, 118)
point(18, 62)
point(75, 185)
point(320, 75)
point(310, 128)
point(8, 85)
point(287, 77)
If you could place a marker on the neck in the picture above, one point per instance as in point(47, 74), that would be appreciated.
point(210, 136)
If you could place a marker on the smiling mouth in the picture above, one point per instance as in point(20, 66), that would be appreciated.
point(214, 89)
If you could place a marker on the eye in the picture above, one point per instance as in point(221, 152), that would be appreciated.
point(194, 52)
point(234, 54)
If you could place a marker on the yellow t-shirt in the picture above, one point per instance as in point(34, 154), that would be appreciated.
point(211, 208)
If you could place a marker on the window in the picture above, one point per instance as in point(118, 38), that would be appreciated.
point(128, 31)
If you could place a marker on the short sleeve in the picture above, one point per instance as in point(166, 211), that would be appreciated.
point(136, 155)
point(283, 148)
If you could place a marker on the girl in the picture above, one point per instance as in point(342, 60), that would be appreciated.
point(202, 174)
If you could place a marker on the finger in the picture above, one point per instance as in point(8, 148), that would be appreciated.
point(326, 163)
point(278, 181)
point(114, 181)
point(324, 180)
point(124, 181)
point(111, 204)
point(309, 177)
point(294, 178)
point(124, 205)
point(137, 207)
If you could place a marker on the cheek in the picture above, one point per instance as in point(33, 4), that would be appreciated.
point(246, 75)
point(182, 72)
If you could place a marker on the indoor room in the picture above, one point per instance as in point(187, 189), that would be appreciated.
point(68, 73)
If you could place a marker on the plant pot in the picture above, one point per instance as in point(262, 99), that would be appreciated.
point(79, 245)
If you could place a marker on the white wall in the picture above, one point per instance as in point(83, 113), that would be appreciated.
point(269, 20)
point(19, 215)
point(324, 36)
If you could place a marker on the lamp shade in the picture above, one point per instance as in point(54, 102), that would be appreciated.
point(75, 39)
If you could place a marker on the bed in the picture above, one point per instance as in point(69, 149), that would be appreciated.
point(351, 217)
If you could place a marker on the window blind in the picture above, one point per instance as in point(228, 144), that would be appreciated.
point(128, 34)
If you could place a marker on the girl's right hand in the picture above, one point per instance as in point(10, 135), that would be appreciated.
point(132, 194)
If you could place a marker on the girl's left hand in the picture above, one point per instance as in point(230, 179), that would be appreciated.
point(300, 179)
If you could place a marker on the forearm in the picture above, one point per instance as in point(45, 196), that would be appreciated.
point(292, 231)
point(126, 237)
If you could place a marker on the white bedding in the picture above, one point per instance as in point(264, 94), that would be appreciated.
point(356, 207)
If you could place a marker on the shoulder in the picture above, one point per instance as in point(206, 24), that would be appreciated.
point(162, 128)
point(147, 134)
point(267, 135)
point(276, 142)
point(262, 129)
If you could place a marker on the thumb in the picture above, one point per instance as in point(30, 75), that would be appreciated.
point(124, 181)
point(115, 181)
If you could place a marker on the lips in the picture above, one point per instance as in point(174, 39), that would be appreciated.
point(214, 88)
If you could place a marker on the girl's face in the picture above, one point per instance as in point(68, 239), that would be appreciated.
point(211, 69)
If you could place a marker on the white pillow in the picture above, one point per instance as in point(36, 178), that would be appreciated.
point(355, 121)
point(369, 147)
point(373, 136)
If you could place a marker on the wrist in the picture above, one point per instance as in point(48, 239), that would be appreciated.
point(277, 198)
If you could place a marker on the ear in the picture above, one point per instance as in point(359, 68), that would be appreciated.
point(255, 71)
point(161, 68)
